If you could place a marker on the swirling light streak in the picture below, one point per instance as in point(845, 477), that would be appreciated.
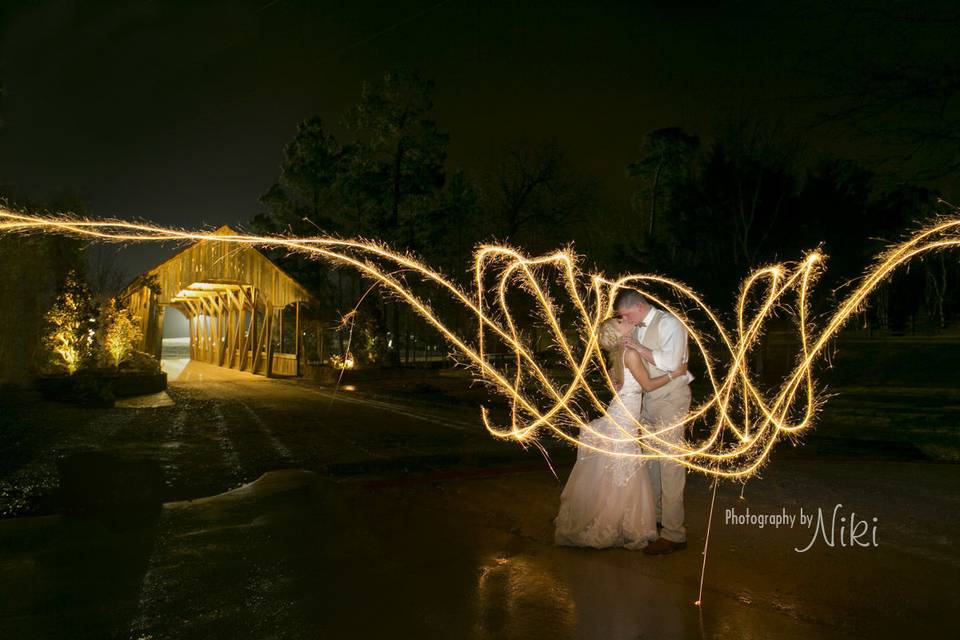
point(754, 420)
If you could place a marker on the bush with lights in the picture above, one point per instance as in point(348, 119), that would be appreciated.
point(120, 332)
point(71, 326)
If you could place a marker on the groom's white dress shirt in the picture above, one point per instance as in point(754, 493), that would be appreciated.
point(673, 341)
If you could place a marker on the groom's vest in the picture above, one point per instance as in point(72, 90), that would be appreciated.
point(651, 340)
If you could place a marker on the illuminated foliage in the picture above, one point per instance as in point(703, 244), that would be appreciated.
point(121, 332)
point(345, 362)
point(71, 325)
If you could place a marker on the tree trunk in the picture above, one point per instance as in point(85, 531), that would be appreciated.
point(395, 349)
point(406, 343)
point(653, 198)
point(398, 158)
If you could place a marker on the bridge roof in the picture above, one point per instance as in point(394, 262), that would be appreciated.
point(209, 262)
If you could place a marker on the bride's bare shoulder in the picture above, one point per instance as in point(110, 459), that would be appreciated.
point(632, 357)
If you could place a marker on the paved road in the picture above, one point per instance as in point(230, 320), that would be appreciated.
point(376, 518)
point(220, 428)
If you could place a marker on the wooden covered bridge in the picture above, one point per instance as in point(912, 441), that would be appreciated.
point(234, 300)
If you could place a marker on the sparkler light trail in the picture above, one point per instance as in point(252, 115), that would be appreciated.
point(743, 421)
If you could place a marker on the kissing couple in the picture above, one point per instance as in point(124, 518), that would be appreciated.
point(613, 498)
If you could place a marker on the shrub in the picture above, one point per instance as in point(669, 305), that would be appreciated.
point(71, 324)
point(121, 332)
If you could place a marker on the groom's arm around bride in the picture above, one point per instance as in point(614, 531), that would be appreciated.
point(673, 346)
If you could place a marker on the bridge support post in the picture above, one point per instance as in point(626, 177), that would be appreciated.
point(297, 340)
point(270, 325)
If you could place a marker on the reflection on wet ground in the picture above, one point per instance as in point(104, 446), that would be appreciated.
point(187, 370)
point(386, 517)
point(295, 555)
point(147, 401)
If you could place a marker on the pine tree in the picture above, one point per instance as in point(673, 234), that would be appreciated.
point(71, 324)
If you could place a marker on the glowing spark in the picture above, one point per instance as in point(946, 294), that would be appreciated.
point(752, 419)
point(342, 363)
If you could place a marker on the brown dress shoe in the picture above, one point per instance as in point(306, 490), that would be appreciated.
point(661, 546)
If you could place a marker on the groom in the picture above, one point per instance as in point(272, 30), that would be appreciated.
point(661, 341)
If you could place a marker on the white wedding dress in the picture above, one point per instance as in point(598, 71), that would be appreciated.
point(608, 499)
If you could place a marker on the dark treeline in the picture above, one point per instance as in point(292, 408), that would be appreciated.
point(390, 181)
point(704, 212)
point(711, 213)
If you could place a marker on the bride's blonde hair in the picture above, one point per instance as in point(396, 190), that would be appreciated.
point(609, 339)
point(608, 336)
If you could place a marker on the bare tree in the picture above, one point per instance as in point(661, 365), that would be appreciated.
point(105, 274)
point(893, 75)
point(666, 156)
point(761, 157)
point(535, 195)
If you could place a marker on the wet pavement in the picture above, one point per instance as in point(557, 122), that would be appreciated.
point(225, 428)
point(296, 512)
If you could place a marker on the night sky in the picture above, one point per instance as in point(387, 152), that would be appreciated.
point(177, 112)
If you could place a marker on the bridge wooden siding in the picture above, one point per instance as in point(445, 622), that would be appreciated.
point(233, 298)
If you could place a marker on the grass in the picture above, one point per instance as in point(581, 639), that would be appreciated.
point(888, 389)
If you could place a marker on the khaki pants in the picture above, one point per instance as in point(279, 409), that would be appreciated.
point(666, 476)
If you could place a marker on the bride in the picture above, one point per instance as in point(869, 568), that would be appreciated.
point(608, 501)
